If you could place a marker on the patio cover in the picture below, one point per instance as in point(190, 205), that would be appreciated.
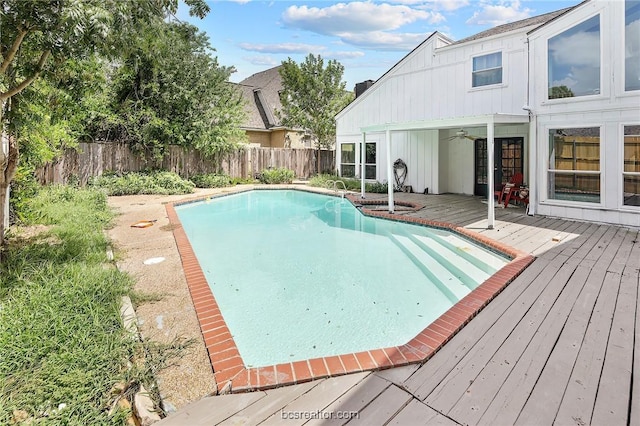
point(489, 121)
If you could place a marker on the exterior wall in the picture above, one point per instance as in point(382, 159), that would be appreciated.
point(280, 138)
point(435, 83)
point(610, 110)
point(260, 138)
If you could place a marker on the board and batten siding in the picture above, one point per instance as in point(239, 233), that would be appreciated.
point(432, 84)
point(609, 110)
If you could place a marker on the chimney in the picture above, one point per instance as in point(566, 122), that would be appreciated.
point(361, 87)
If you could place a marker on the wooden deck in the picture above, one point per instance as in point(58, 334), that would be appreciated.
point(560, 345)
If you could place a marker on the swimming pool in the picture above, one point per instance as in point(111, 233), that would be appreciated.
point(299, 275)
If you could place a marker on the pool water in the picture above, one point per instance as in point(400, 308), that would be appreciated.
point(299, 275)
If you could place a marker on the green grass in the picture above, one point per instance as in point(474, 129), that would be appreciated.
point(61, 337)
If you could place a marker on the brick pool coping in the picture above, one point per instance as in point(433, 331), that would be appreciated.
point(229, 370)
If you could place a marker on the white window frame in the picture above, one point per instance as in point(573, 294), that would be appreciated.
point(355, 159)
point(621, 204)
point(604, 88)
point(374, 165)
point(501, 68)
point(544, 189)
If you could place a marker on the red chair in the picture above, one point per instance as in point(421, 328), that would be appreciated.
point(509, 190)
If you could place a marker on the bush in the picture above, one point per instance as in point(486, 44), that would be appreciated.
point(322, 181)
point(23, 189)
point(211, 180)
point(150, 182)
point(278, 175)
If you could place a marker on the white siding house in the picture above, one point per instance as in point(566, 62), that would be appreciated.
point(586, 156)
point(447, 104)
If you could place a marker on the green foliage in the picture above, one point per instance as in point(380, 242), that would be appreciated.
point(61, 337)
point(323, 181)
point(311, 97)
point(556, 92)
point(277, 175)
point(152, 182)
point(170, 90)
point(211, 180)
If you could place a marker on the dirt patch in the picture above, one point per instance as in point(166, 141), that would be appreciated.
point(169, 316)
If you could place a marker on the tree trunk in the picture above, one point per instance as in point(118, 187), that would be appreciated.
point(8, 166)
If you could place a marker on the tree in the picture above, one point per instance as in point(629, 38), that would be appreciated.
point(39, 36)
point(312, 95)
point(556, 92)
point(171, 90)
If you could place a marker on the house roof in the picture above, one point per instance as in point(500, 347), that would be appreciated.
point(536, 20)
point(261, 93)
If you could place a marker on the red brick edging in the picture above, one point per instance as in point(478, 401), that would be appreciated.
point(228, 366)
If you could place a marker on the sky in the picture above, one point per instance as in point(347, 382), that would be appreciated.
point(366, 37)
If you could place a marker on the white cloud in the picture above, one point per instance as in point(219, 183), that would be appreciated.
point(354, 17)
point(445, 5)
point(241, 1)
point(498, 14)
point(281, 47)
point(580, 49)
point(262, 60)
point(343, 55)
point(380, 40)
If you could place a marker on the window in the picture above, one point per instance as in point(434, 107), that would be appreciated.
point(632, 45)
point(370, 161)
point(631, 168)
point(487, 70)
point(574, 164)
point(348, 160)
point(574, 61)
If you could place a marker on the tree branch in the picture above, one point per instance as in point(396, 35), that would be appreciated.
point(27, 81)
point(12, 52)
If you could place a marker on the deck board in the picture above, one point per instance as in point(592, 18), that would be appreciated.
point(418, 413)
point(273, 402)
point(542, 405)
point(317, 399)
point(383, 407)
point(354, 400)
point(560, 344)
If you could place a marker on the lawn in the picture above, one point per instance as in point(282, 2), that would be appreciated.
point(62, 343)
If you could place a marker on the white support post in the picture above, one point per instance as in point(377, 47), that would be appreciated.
point(533, 164)
point(363, 157)
point(491, 214)
point(389, 171)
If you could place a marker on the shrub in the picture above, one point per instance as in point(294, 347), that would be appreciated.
point(211, 180)
point(322, 181)
point(149, 182)
point(277, 175)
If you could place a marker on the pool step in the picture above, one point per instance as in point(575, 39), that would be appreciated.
point(452, 259)
point(479, 258)
point(450, 285)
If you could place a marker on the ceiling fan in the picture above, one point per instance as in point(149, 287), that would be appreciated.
point(461, 135)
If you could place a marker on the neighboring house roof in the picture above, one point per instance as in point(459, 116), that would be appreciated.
point(261, 92)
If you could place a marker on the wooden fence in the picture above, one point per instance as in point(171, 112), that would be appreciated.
point(93, 159)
